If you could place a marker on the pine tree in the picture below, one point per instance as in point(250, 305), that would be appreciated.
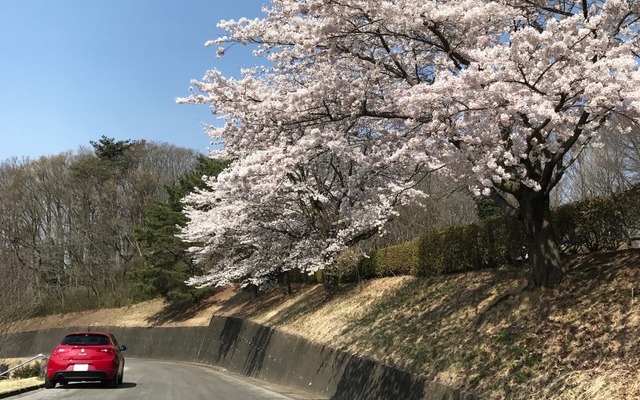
point(167, 265)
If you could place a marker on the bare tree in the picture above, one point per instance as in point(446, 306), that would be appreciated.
point(67, 220)
point(603, 170)
point(17, 293)
point(449, 203)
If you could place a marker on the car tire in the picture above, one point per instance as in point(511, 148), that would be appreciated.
point(113, 383)
point(49, 384)
point(121, 378)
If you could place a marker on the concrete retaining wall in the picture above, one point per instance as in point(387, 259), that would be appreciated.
point(257, 351)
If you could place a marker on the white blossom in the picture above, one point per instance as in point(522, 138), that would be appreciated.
point(360, 99)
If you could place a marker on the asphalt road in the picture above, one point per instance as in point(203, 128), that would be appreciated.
point(158, 380)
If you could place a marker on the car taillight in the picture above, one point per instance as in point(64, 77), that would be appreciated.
point(108, 351)
point(57, 352)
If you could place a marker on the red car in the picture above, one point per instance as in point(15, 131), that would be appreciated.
point(86, 356)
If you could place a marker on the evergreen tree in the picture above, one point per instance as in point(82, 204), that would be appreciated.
point(167, 265)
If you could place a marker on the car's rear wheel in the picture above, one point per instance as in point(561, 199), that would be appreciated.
point(121, 378)
point(112, 383)
point(49, 384)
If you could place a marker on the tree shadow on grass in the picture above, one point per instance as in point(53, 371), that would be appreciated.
point(177, 312)
point(305, 300)
point(426, 324)
point(465, 324)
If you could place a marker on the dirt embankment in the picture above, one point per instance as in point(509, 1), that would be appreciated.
point(480, 330)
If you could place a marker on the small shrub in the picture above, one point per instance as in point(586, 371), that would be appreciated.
point(30, 370)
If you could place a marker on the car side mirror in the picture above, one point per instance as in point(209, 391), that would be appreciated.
point(123, 347)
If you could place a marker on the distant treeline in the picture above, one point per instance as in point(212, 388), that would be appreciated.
point(68, 222)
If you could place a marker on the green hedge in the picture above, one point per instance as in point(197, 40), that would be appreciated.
point(602, 223)
point(399, 259)
point(591, 225)
point(454, 249)
point(480, 245)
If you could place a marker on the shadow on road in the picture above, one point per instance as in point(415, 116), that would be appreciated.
point(96, 385)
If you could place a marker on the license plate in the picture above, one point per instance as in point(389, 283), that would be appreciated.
point(81, 367)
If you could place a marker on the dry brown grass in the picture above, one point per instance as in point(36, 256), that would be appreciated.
point(479, 331)
point(16, 384)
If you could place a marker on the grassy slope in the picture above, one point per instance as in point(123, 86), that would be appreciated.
point(478, 330)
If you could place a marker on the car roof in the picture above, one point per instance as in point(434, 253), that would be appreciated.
point(88, 333)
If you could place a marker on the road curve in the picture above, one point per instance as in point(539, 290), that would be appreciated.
point(157, 380)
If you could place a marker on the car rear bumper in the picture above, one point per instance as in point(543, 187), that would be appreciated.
point(98, 371)
point(77, 376)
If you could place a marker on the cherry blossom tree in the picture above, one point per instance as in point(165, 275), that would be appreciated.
point(298, 205)
point(359, 99)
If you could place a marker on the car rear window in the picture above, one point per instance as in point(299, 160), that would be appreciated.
point(85, 339)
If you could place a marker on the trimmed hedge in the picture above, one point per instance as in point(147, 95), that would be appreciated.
point(591, 225)
point(399, 259)
point(454, 249)
point(602, 223)
point(483, 244)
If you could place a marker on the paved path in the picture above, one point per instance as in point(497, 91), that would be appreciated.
point(156, 380)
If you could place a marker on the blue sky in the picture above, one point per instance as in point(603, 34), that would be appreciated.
point(74, 70)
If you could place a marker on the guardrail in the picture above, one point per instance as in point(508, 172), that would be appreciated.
point(21, 364)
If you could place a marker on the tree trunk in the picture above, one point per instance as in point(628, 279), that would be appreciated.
point(544, 254)
point(330, 284)
point(286, 282)
point(253, 289)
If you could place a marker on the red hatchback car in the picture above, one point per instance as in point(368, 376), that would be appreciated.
point(86, 356)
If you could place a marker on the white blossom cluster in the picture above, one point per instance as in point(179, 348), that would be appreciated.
point(362, 98)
